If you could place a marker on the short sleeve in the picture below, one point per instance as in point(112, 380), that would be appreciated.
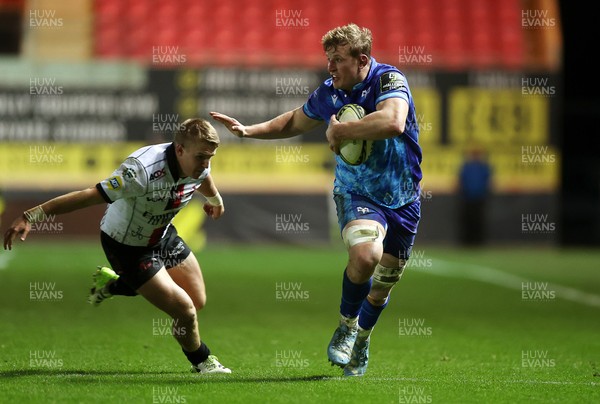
point(127, 181)
point(391, 84)
point(311, 107)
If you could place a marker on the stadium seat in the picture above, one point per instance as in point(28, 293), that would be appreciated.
point(456, 33)
point(510, 34)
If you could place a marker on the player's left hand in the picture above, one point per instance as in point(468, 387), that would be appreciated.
point(214, 212)
point(232, 124)
point(19, 226)
point(333, 134)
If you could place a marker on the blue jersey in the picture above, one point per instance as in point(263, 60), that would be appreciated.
point(390, 177)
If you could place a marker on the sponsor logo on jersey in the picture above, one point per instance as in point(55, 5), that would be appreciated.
point(158, 174)
point(158, 220)
point(177, 250)
point(115, 183)
point(391, 81)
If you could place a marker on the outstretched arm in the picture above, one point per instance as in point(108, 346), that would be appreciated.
point(288, 124)
point(59, 205)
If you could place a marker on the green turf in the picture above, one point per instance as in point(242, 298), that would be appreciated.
point(479, 342)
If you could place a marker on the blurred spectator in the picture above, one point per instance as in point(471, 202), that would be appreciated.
point(474, 189)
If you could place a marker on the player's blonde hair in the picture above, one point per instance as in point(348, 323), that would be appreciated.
point(196, 129)
point(359, 39)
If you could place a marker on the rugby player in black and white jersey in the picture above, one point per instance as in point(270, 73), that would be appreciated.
point(138, 238)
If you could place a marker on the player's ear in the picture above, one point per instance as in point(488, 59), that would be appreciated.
point(363, 60)
point(178, 149)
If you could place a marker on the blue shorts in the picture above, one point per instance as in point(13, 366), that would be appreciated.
point(400, 224)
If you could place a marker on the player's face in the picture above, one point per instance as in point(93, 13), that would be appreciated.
point(344, 69)
point(194, 157)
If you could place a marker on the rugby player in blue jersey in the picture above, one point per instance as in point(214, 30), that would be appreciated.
point(377, 202)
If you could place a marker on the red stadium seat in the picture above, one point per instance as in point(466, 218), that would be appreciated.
point(456, 34)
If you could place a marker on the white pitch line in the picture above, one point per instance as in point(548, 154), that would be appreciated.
point(184, 377)
point(344, 379)
point(500, 381)
point(507, 280)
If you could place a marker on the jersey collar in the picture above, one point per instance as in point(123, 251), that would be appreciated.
point(172, 161)
point(362, 84)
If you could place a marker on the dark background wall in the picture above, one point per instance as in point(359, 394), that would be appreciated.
point(580, 194)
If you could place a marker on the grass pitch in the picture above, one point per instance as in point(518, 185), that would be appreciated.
point(483, 326)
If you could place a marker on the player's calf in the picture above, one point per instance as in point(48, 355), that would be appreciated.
point(185, 325)
point(384, 279)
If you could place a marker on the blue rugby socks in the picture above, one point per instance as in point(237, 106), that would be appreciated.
point(355, 304)
point(353, 296)
point(369, 314)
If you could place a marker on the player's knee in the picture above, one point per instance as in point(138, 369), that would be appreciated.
point(199, 301)
point(361, 265)
point(185, 310)
point(188, 316)
point(366, 261)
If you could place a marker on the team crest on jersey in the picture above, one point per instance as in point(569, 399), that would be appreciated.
point(129, 174)
point(158, 174)
point(115, 183)
point(391, 81)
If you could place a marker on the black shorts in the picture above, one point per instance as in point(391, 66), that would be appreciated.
point(136, 265)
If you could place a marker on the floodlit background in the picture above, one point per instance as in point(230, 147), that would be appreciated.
point(495, 305)
point(84, 83)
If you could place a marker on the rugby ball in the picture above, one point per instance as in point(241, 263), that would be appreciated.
point(355, 151)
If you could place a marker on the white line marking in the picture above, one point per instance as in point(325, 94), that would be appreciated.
point(239, 378)
point(510, 281)
point(495, 381)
